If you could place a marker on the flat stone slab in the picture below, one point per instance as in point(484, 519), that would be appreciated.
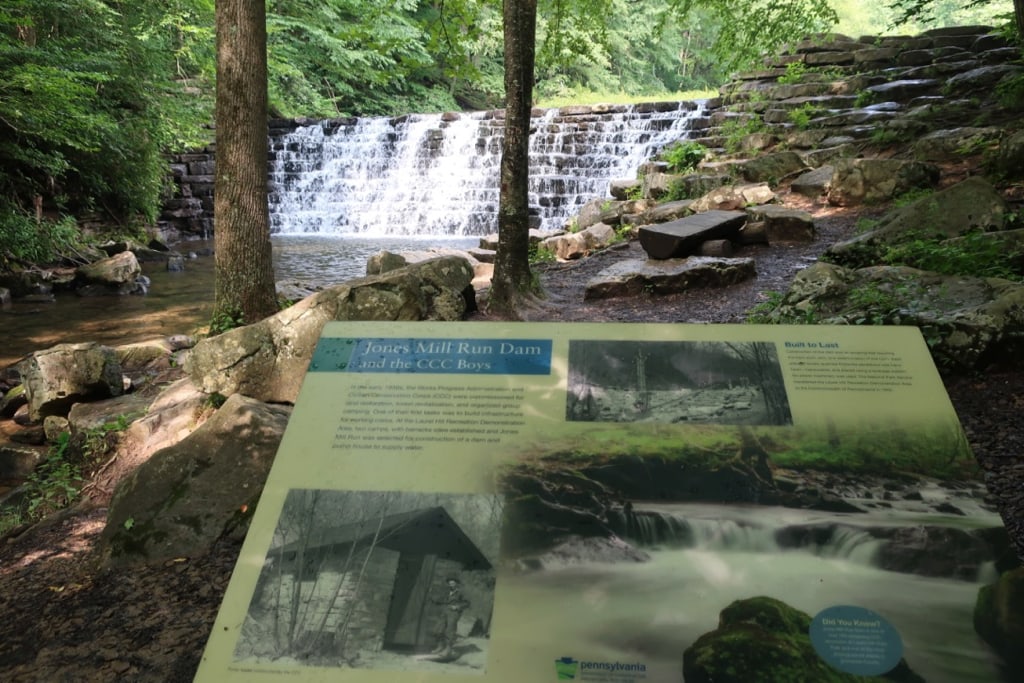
point(683, 237)
point(667, 276)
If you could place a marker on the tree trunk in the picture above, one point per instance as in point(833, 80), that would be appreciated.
point(1018, 16)
point(243, 266)
point(512, 279)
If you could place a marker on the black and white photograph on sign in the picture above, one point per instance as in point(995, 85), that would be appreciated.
point(735, 383)
point(376, 580)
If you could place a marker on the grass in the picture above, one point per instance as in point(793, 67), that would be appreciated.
point(591, 98)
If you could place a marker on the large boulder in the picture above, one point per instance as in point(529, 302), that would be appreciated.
point(659, 277)
point(267, 360)
point(968, 322)
point(113, 271)
point(968, 206)
point(867, 181)
point(59, 377)
point(771, 168)
point(186, 496)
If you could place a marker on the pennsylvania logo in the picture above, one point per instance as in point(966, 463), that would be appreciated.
point(569, 669)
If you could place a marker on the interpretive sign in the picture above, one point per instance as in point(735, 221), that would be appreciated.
point(614, 502)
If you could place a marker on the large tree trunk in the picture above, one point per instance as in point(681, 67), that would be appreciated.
point(512, 279)
point(244, 269)
point(1018, 16)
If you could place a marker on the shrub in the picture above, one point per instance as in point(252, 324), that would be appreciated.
point(684, 156)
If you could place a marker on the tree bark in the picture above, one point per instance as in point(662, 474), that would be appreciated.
point(244, 289)
point(512, 278)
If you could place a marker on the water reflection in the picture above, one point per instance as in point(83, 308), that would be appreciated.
point(181, 303)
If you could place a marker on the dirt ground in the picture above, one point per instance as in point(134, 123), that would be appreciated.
point(66, 620)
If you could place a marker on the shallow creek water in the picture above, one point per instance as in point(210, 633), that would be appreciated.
point(180, 303)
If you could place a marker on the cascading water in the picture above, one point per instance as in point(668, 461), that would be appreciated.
point(437, 175)
point(703, 557)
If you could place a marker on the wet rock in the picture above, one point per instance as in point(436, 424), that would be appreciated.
point(112, 272)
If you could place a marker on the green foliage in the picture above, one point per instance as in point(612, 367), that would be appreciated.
point(224, 320)
point(977, 254)
point(216, 400)
point(883, 137)
point(623, 233)
point(761, 313)
point(1010, 92)
point(748, 30)
point(541, 254)
point(873, 304)
point(23, 239)
point(865, 224)
point(912, 196)
point(922, 14)
point(802, 115)
point(864, 98)
point(55, 483)
point(795, 72)
point(683, 157)
point(88, 102)
point(735, 129)
point(635, 192)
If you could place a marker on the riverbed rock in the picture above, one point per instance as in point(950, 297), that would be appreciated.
point(58, 377)
point(267, 360)
point(187, 496)
point(114, 271)
point(667, 276)
point(937, 551)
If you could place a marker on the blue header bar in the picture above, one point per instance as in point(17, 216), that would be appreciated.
point(433, 356)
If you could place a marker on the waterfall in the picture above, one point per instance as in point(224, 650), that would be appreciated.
point(437, 174)
point(765, 532)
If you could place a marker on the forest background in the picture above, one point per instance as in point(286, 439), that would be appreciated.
point(94, 93)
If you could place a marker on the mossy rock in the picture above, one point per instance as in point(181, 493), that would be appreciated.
point(999, 617)
point(759, 639)
point(764, 639)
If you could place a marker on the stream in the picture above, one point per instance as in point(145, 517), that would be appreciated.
point(180, 303)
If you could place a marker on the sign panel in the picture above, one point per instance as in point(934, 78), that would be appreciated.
point(613, 502)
